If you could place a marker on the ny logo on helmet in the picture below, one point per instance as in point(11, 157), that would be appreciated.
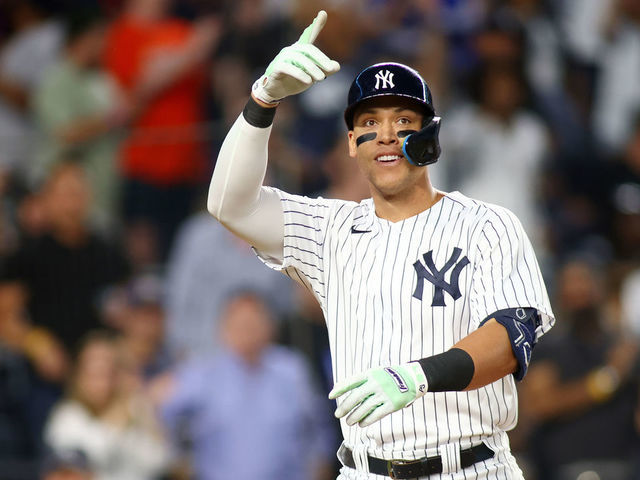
point(432, 274)
point(386, 77)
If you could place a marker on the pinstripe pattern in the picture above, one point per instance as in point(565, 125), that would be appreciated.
point(364, 283)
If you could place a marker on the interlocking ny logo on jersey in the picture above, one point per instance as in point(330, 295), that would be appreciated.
point(430, 272)
point(386, 77)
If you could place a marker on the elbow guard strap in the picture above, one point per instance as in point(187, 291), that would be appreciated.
point(450, 371)
point(257, 115)
point(521, 324)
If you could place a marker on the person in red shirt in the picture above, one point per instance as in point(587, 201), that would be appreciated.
point(160, 62)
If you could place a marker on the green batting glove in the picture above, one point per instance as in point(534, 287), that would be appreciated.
point(378, 392)
point(296, 67)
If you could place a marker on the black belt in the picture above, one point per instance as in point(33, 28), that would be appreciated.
point(423, 467)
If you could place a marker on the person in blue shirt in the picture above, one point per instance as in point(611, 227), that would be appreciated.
point(251, 410)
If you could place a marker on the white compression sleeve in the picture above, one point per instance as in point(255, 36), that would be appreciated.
point(236, 196)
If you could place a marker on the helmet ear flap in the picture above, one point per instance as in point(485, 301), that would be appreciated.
point(423, 147)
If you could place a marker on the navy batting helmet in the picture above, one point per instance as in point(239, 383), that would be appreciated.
point(388, 79)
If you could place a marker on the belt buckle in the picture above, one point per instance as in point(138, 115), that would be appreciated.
point(390, 469)
point(393, 463)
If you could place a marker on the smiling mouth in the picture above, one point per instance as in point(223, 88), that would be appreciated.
point(388, 158)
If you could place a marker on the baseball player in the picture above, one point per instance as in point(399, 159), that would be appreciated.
point(433, 301)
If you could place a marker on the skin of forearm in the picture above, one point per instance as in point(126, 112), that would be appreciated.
point(165, 69)
point(262, 104)
point(14, 94)
point(161, 73)
point(83, 130)
point(563, 400)
point(545, 396)
point(490, 349)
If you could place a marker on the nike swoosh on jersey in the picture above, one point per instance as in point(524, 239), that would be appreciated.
point(355, 230)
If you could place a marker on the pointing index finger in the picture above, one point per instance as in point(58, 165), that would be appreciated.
point(310, 33)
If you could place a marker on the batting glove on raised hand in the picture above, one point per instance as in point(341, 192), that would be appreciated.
point(296, 67)
point(378, 392)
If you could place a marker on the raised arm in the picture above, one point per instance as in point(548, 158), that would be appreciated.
point(236, 195)
point(163, 67)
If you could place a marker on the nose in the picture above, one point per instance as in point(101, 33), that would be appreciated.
point(387, 134)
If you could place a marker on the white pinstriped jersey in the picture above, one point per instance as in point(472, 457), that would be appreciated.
point(395, 292)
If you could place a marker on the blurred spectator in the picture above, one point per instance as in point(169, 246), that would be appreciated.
point(582, 388)
point(254, 35)
point(583, 27)
point(501, 40)
point(630, 303)
point(78, 107)
point(542, 58)
point(270, 423)
point(542, 54)
point(33, 368)
point(50, 365)
point(33, 46)
point(9, 230)
point(460, 17)
point(575, 195)
point(232, 80)
point(206, 265)
point(113, 426)
point(159, 61)
point(66, 269)
point(141, 322)
point(494, 149)
point(305, 330)
point(18, 440)
point(620, 179)
point(617, 99)
point(66, 465)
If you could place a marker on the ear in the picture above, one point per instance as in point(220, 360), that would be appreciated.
point(352, 144)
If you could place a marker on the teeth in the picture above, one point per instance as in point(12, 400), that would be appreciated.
point(388, 158)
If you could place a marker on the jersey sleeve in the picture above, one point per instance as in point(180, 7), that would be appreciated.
point(506, 272)
point(306, 223)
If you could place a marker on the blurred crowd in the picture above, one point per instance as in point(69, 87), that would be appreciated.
point(141, 340)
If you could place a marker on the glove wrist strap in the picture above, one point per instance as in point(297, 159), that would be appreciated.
point(260, 92)
point(419, 378)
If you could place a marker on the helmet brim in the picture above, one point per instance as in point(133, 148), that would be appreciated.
point(350, 111)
